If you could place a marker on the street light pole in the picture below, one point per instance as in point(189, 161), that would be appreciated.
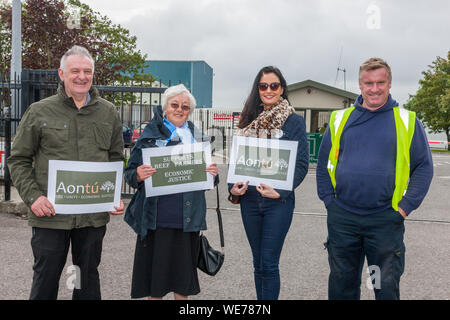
point(12, 112)
point(16, 54)
point(16, 58)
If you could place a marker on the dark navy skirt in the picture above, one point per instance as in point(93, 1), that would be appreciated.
point(166, 261)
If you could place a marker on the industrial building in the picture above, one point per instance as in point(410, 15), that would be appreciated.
point(197, 76)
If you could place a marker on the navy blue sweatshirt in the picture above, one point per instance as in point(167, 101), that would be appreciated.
point(365, 173)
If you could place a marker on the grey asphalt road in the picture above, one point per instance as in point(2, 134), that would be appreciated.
point(303, 266)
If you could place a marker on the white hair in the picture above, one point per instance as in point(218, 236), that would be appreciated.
point(174, 91)
point(75, 50)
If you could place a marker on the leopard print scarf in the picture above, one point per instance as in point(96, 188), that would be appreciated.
point(269, 122)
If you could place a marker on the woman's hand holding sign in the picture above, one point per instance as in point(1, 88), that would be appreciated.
point(267, 191)
point(239, 188)
point(144, 171)
point(212, 168)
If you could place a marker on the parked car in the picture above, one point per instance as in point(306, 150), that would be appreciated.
point(127, 133)
point(138, 131)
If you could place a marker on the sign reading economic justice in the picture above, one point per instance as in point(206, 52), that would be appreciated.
point(179, 168)
point(76, 187)
point(268, 161)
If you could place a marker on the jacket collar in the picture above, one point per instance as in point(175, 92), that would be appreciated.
point(92, 98)
point(156, 129)
point(390, 103)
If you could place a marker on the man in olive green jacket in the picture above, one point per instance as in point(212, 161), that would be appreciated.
point(76, 124)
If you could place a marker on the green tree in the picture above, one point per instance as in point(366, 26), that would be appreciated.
point(5, 43)
point(48, 31)
point(432, 100)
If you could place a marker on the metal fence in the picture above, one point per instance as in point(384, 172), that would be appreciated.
point(10, 98)
point(134, 103)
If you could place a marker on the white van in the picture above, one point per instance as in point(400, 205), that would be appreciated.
point(437, 140)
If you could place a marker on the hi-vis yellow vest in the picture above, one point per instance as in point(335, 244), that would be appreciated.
point(404, 127)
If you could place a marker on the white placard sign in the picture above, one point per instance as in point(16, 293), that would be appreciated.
point(268, 161)
point(179, 168)
point(76, 187)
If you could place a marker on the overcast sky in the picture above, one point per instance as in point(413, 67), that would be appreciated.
point(305, 39)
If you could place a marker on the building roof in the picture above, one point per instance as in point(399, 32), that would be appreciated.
point(324, 87)
point(202, 61)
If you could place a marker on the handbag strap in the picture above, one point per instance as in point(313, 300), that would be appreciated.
point(219, 218)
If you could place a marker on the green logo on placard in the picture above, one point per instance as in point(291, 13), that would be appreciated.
point(262, 162)
point(178, 169)
point(75, 187)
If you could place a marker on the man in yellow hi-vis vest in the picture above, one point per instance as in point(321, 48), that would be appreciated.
point(374, 168)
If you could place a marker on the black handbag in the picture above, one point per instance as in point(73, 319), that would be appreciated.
point(210, 260)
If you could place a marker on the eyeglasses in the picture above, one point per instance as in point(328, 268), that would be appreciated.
point(175, 106)
point(273, 86)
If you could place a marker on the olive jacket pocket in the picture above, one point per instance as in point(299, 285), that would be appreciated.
point(55, 132)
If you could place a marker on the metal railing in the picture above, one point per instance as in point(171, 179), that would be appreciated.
point(134, 103)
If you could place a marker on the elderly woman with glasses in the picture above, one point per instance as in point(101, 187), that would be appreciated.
point(267, 212)
point(167, 226)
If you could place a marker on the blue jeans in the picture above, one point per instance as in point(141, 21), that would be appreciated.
point(351, 237)
point(266, 222)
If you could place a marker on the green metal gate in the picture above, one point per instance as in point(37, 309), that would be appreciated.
point(314, 141)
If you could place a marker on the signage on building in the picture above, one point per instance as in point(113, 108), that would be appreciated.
point(226, 116)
